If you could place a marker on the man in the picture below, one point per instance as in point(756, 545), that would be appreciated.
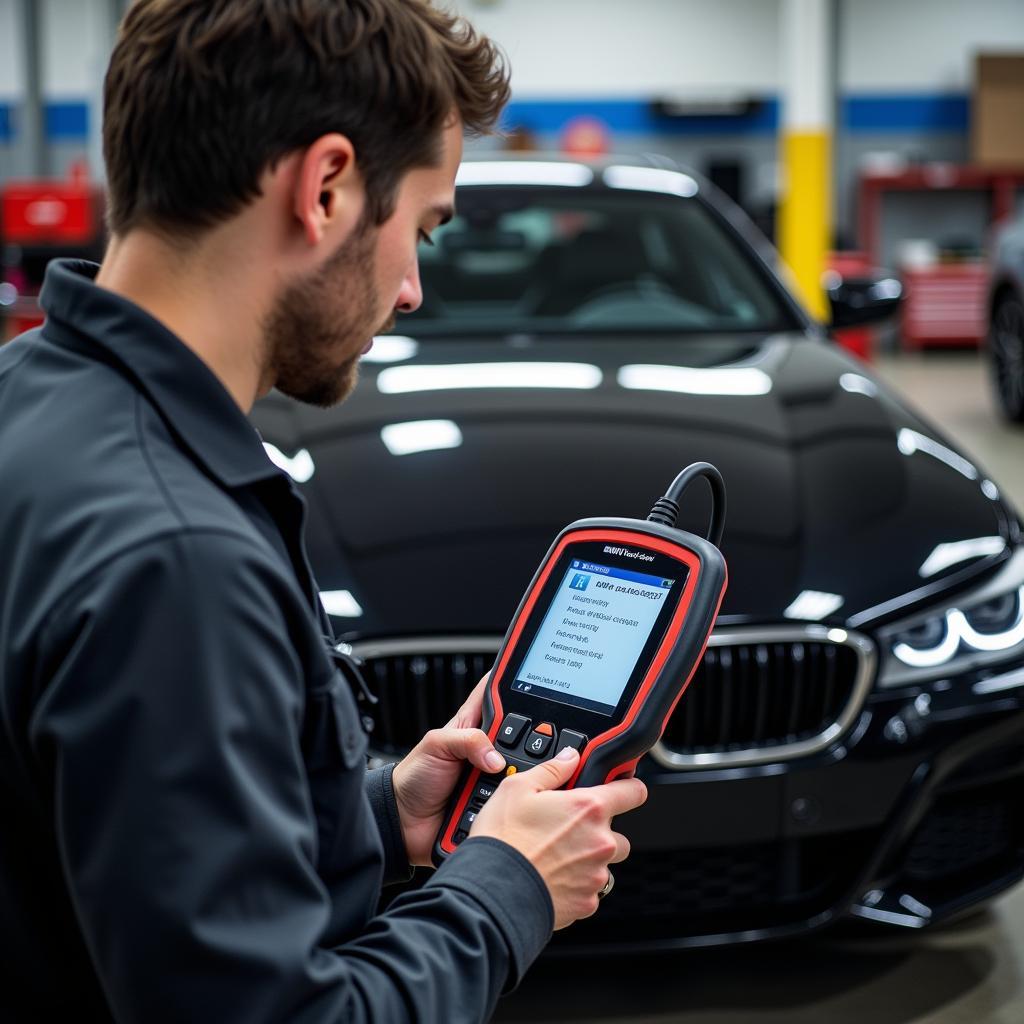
point(187, 828)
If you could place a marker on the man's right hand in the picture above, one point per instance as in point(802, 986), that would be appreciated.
point(566, 834)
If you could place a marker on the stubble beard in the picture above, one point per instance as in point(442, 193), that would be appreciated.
point(333, 310)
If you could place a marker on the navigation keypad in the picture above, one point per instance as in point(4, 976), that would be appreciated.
point(511, 729)
point(539, 744)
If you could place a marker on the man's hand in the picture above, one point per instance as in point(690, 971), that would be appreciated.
point(566, 834)
point(425, 778)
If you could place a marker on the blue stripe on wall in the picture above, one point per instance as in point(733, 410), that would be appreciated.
point(634, 117)
point(858, 115)
point(67, 122)
point(923, 113)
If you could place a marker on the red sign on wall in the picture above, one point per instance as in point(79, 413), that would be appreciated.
point(44, 213)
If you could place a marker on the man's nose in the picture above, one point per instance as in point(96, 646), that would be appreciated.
point(410, 296)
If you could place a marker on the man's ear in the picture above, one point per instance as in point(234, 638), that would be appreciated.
point(328, 190)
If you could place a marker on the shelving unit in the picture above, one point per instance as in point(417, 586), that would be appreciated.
point(945, 303)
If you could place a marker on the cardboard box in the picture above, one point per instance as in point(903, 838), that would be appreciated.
point(997, 114)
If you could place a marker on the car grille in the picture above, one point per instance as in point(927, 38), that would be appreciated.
point(756, 696)
point(768, 694)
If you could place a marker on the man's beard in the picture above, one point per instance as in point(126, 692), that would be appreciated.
point(332, 311)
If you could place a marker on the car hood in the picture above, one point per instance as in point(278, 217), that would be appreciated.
point(844, 506)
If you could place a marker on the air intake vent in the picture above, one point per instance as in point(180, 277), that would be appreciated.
point(421, 684)
point(758, 696)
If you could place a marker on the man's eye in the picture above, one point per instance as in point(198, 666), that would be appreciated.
point(425, 238)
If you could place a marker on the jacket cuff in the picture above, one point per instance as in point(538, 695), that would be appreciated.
point(510, 888)
point(381, 793)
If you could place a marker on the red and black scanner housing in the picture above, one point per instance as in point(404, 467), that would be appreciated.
point(615, 742)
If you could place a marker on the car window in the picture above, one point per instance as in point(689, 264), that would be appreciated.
point(523, 261)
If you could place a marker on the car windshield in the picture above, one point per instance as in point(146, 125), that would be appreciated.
point(535, 261)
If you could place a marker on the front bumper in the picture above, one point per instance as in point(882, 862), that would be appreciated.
point(916, 815)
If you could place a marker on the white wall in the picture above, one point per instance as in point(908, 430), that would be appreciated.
point(922, 45)
point(611, 48)
point(77, 41)
point(12, 70)
point(573, 48)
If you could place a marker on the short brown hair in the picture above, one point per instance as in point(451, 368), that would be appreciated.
point(203, 96)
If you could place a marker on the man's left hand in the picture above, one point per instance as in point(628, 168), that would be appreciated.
point(425, 778)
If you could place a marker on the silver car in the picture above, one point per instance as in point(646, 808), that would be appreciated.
point(1006, 320)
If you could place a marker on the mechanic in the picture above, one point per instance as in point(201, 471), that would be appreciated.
point(188, 831)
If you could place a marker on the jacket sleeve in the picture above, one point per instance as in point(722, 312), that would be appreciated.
point(168, 735)
point(381, 794)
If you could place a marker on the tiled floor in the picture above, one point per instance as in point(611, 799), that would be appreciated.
point(970, 973)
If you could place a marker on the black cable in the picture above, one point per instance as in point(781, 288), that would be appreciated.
point(666, 508)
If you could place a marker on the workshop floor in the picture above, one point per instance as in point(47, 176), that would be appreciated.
point(968, 973)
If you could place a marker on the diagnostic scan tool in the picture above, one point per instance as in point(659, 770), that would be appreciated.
point(602, 646)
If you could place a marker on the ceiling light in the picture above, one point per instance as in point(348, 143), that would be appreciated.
point(299, 466)
point(527, 172)
point(745, 380)
point(813, 605)
point(341, 604)
point(398, 380)
point(959, 551)
point(858, 384)
point(910, 441)
point(391, 348)
point(420, 436)
point(650, 179)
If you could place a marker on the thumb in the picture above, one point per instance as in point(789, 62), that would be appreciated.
point(556, 772)
point(455, 744)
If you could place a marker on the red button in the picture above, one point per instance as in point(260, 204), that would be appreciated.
point(545, 729)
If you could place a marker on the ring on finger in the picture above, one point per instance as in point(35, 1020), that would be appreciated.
point(607, 887)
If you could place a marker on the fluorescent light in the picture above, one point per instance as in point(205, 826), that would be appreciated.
point(650, 179)
point(959, 551)
point(687, 380)
point(391, 348)
point(527, 172)
point(341, 604)
point(990, 490)
point(400, 380)
point(858, 384)
point(420, 436)
point(910, 441)
point(813, 605)
point(299, 467)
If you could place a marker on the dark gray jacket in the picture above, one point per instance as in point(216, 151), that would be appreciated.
point(187, 828)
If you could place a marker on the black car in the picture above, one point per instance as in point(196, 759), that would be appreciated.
point(1006, 320)
point(853, 742)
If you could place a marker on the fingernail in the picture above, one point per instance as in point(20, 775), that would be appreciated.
point(494, 761)
point(567, 753)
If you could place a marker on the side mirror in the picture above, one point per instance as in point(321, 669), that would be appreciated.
point(861, 299)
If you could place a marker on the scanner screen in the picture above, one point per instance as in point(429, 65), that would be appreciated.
point(592, 635)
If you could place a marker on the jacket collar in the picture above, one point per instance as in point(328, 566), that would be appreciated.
point(193, 401)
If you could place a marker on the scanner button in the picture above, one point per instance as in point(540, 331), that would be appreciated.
point(459, 836)
point(511, 729)
point(467, 820)
point(537, 744)
point(483, 792)
point(569, 738)
point(545, 729)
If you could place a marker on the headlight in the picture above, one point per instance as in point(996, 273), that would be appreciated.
point(982, 628)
